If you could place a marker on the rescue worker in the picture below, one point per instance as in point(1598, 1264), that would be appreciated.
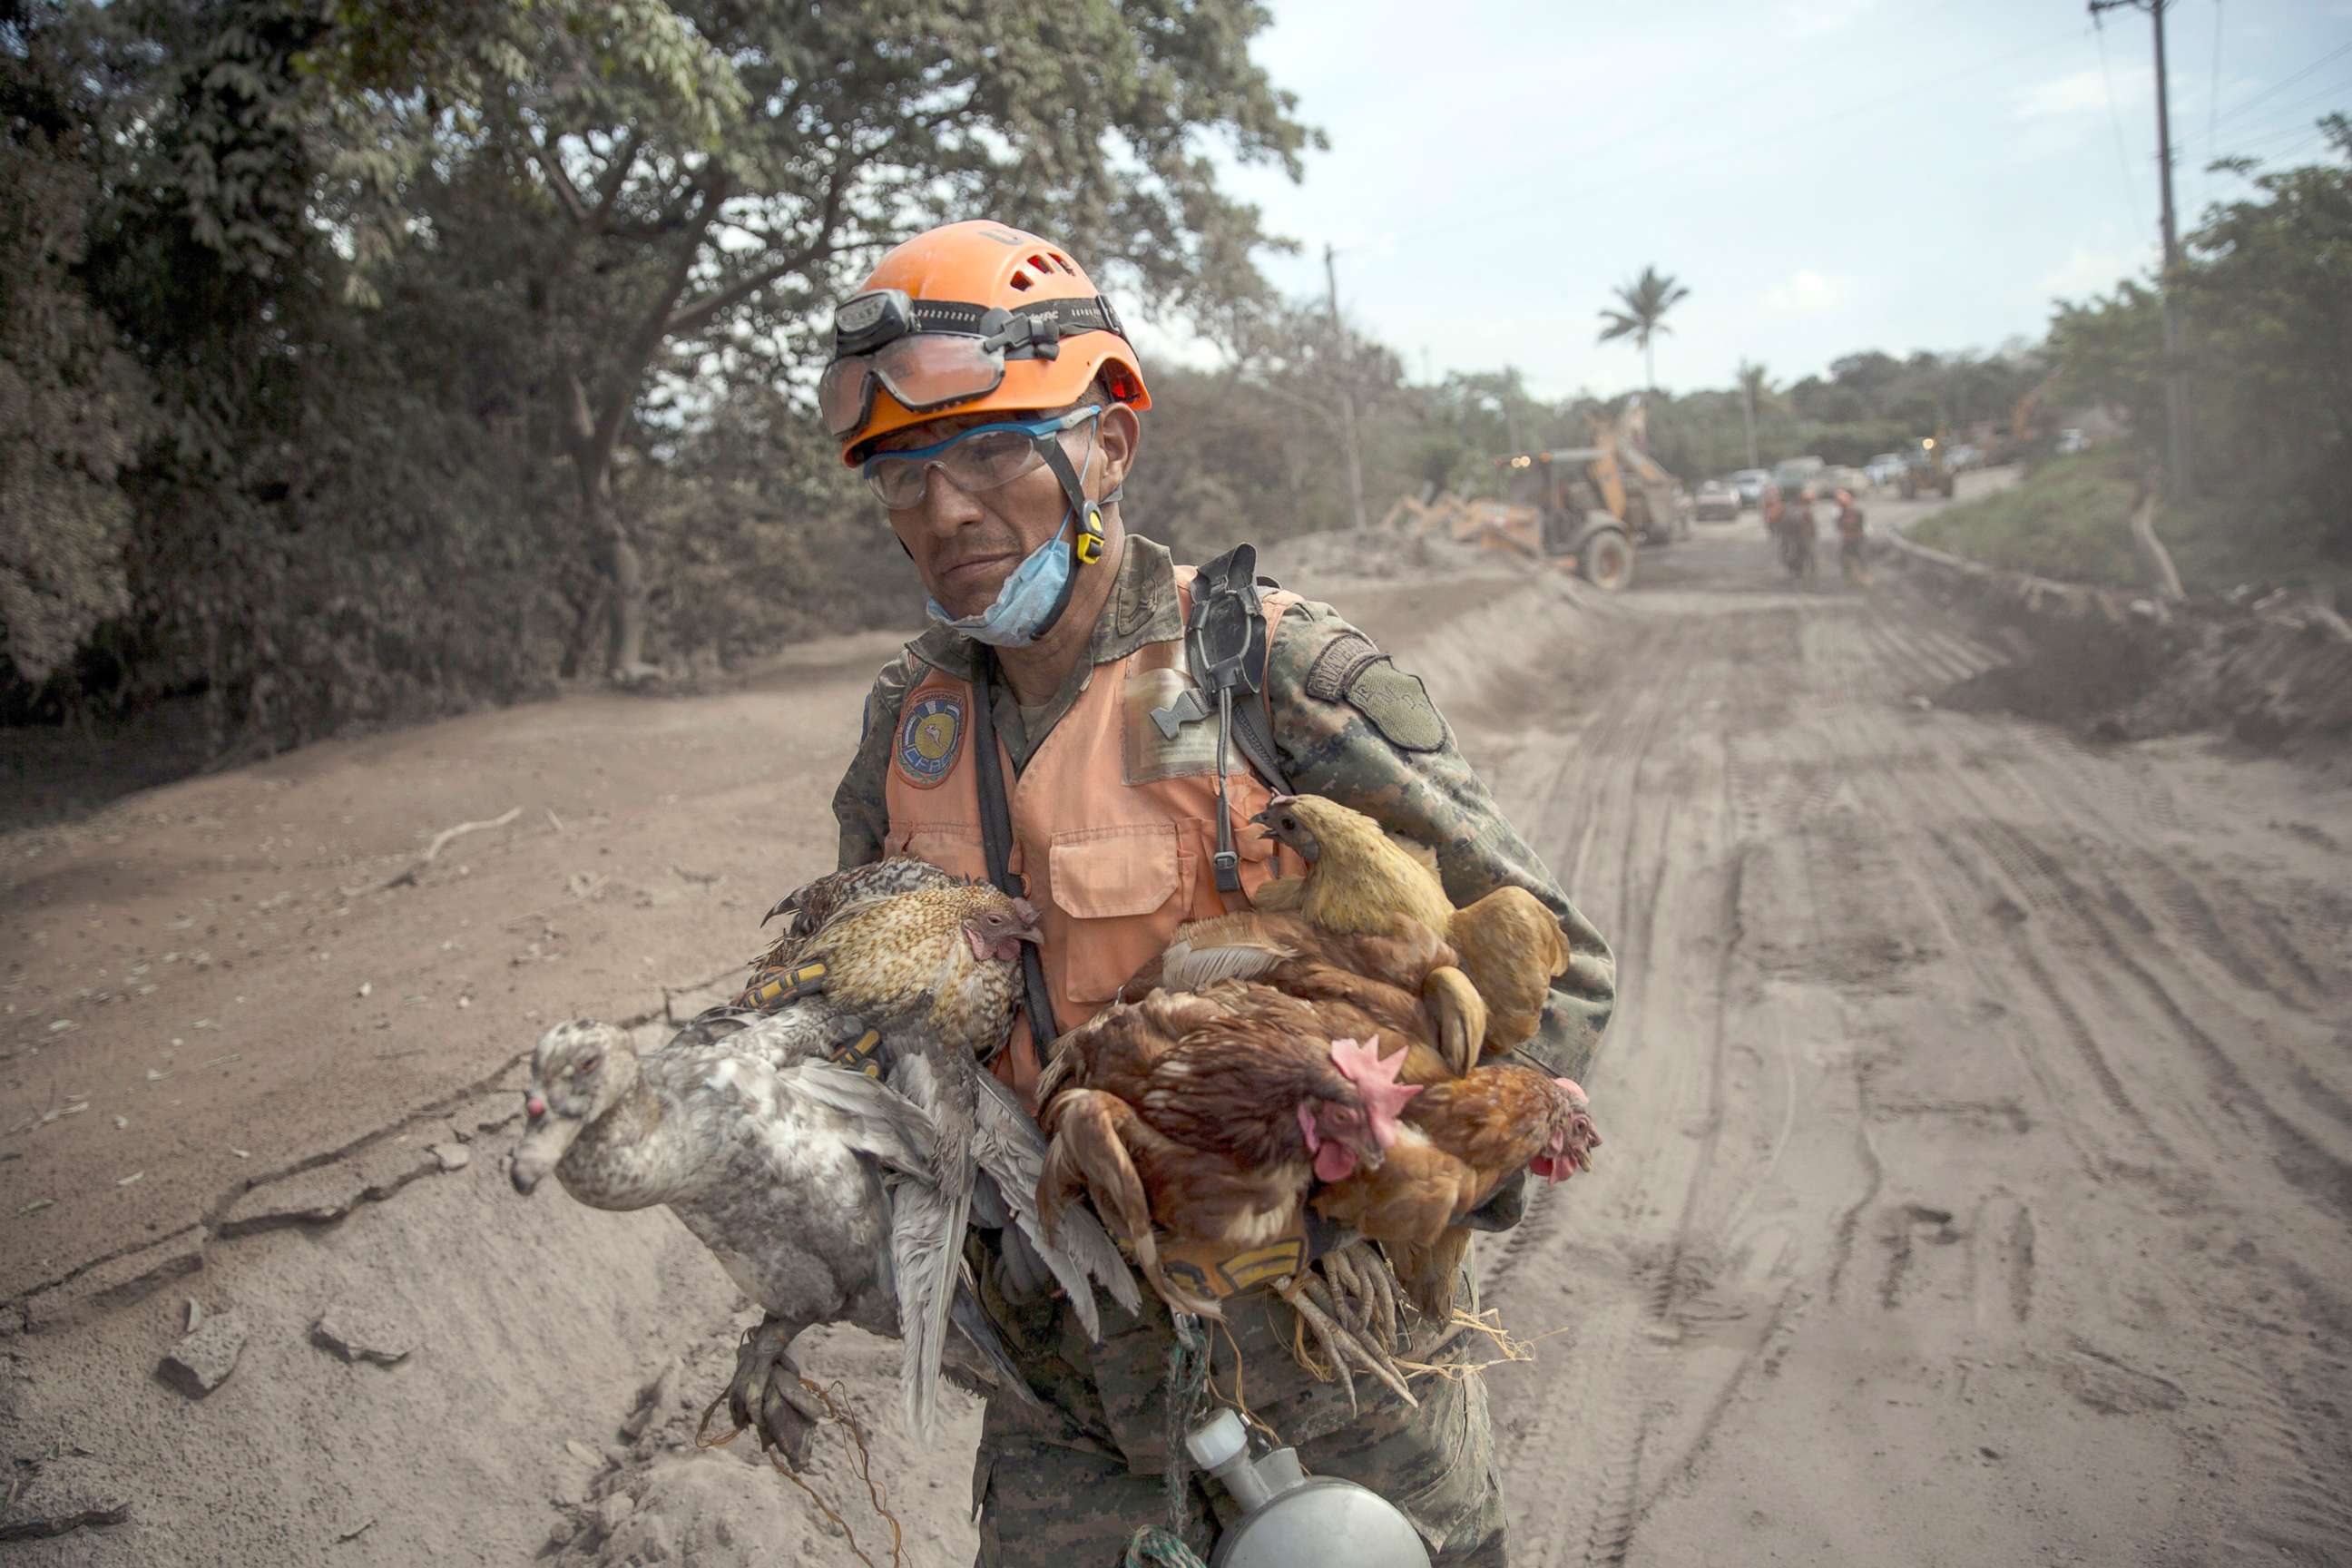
point(1795, 529)
point(993, 401)
point(1850, 526)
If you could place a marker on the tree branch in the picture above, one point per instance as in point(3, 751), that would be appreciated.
point(616, 174)
point(655, 327)
point(698, 314)
point(566, 193)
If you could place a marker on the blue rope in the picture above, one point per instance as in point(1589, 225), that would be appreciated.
point(1155, 1548)
point(1188, 1384)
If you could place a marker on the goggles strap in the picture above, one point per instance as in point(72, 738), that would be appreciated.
point(1030, 331)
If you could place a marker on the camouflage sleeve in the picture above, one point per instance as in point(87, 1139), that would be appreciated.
point(1351, 726)
point(860, 804)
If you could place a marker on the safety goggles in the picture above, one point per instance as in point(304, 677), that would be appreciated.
point(984, 458)
point(931, 354)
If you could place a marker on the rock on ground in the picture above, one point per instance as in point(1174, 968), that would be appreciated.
point(363, 1334)
point(205, 1357)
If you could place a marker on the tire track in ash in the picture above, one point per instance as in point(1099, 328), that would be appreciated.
point(2140, 916)
point(1602, 1444)
point(1936, 802)
point(2308, 1165)
point(1585, 1508)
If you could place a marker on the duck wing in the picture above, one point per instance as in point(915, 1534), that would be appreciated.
point(926, 1230)
point(883, 1123)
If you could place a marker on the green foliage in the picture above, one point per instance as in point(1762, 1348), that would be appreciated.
point(2069, 520)
point(465, 321)
point(2266, 298)
point(73, 407)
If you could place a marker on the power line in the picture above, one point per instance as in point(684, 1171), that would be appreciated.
point(2116, 123)
point(2213, 83)
point(2285, 82)
point(2212, 93)
point(2266, 123)
point(2301, 134)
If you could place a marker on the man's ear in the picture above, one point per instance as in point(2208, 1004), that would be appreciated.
point(1121, 433)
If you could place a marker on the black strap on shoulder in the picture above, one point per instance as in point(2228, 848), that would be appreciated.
point(1225, 642)
point(996, 842)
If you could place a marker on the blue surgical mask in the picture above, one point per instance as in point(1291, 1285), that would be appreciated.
point(1029, 602)
point(1032, 599)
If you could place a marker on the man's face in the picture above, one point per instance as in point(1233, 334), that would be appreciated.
point(965, 544)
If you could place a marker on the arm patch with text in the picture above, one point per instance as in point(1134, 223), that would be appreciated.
point(1351, 669)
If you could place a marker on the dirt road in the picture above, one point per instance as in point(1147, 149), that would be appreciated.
point(1980, 1116)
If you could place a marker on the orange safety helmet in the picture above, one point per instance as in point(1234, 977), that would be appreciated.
point(970, 318)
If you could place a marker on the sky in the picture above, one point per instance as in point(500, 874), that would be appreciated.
point(1824, 175)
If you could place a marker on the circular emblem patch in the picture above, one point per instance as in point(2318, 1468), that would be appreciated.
point(929, 735)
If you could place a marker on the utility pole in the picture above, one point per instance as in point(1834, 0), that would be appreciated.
point(1346, 390)
point(2176, 381)
point(1747, 409)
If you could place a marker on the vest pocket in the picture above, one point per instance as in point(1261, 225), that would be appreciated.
point(1113, 875)
point(952, 847)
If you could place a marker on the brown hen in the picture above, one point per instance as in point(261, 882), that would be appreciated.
point(1208, 1115)
point(1460, 1138)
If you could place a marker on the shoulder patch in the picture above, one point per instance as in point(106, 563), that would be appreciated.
point(1343, 658)
point(930, 733)
point(1397, 705)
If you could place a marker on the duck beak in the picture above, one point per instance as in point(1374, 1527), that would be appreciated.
point(543, 1144)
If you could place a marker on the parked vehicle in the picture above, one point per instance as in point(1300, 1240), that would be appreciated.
point(1838, 476)
point(1797, 475)
point(1751, 483)
point(1718, 501)
point(1886, 468)
point(1967, 459)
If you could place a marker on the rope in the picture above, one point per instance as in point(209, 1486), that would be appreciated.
point(1155, 1548)
point(1187, 1394)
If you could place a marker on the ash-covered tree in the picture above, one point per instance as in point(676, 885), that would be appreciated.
point(696, 181)
point(73, 406)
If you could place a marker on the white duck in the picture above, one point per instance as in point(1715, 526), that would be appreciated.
point(775, 1159)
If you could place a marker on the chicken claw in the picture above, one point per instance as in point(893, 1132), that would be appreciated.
point(1364, 1286)
point(1311, 1299)
point(1460, 1014)
point(766, 1394)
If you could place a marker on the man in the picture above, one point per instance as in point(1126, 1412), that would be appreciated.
point(1852, 560)
point(991, 398)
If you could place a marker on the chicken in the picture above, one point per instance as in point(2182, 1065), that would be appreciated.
point(1459, 1138)
point(1361, 882)
point(1361, 986)
point(1208, 1115)
point(932, 963)
point(876, 938)
point(780, 1163)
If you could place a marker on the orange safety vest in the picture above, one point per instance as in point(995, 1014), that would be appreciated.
point(1114, 825)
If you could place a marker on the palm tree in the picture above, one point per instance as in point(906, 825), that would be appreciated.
point(1646, 300)
point(1755, 386)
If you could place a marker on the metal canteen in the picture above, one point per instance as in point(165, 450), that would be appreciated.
point(1290, 1520)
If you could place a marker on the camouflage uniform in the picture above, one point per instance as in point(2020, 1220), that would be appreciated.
point(1067, 1488)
